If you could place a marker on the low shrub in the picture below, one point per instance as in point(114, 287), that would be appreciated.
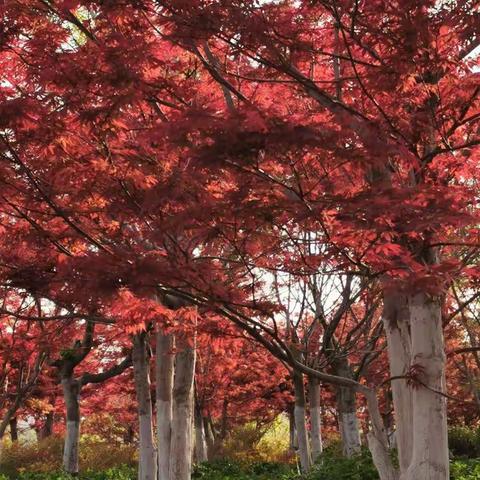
point(333, 466)
point(236, 470)
point(464, 441)
point(465, 469)
point(123, 472)
point(46, 456)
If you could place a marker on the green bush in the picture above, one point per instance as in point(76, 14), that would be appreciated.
point(333, 466)
point(236, 470)
point(464, 442)
point(123, 472)
point(465, 469)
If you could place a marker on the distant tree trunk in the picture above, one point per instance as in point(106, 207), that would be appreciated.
point(14, 429)
point(300, 422)
point(201, 452)
point(47, 428)
point(209, 436)
point(164, 385)
point(315, 417)
point(147, 469)
point(347, 411)
point(71, 395)
point(129, 435)
point(224, 422)
point(182, 419)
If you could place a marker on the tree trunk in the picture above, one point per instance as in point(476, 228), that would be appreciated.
point(300, 423)
point(292, 432)
point(430, 441)
point(224, 421)
point(47, 428)
point(147, 468)
point(378, 440)
point(201, 452)
point(14, 429)
point(396, 320)
point(315, 417)
point(209, 436)
point(182, 419)
point(164, 385)
point(347, 411)
point(71, 395)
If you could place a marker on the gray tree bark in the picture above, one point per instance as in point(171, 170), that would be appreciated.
point(315, 417)
point(201, 451)
point(71, 394)
point(300, 423)
point(182, 418)
point(147, 469)
point(164, 385)
point(347, 411)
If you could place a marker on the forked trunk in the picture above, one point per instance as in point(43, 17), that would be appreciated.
point(315, 417)
point(430, 442)
point(147, 468)
point(300, 423)
point(182, 419)
point(164, 385)
point(71, 395)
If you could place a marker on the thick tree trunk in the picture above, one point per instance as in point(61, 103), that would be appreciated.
point(347, 411)
point(430, 442)
point(315, 417)
point(164, 386)
point(14, 429)
point(201, 452)
point(71, 395)
point(147, 469)
point(396, 320)
point(300, 423)
point(182, 419)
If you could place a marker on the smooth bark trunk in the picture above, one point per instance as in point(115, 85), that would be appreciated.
point(147, 468)
point(201, 452)
point(396, 320)
point(209, 437)
point(182, 418)
point(430, 441)
point(293, 433)
point(164, 385)
point(300, 423)
point(378, 440)
point(315, 417)
point(71, 395)
point(347, 411)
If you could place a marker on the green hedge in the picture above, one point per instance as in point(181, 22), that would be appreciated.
point(331, 467)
